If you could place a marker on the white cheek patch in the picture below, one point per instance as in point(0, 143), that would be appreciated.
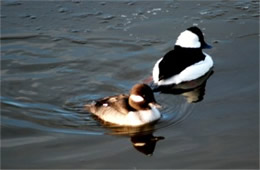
point(188, 39)
point(136, 98)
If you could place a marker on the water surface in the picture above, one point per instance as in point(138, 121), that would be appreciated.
point(57, 56)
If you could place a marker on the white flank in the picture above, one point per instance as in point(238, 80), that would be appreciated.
point(156, 71)
point(188, 39)
point(143, 116)
point(136, 118)
point(190, 73)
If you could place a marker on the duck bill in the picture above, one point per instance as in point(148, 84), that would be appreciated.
point(206, 46)
point(156, 105)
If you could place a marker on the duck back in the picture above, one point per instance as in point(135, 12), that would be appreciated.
point(177, 60)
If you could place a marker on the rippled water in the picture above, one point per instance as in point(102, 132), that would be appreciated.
point(95, 74)
point(58, 56)
point(50, 100)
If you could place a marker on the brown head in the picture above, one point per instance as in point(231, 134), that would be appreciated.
point(142, 98)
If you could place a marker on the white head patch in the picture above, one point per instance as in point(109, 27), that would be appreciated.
point(136, 98)
point(188, 39)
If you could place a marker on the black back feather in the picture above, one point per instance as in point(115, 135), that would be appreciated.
point(178, 59)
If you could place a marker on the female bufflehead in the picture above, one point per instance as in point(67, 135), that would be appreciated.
point(136, 109)
point(185, 62)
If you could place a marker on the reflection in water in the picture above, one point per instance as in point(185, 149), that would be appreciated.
point(193, 91)
point(141, 137)
point(145, 143)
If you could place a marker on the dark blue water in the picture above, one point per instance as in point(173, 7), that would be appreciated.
point(58, 56)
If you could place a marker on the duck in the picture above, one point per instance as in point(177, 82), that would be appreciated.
point(185, 62)
point(137, 108)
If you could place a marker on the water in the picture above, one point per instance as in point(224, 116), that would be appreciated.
point(58, 56)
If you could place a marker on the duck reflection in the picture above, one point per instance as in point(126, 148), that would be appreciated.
point(193, 91)
point(141, 137)
point(145, 143)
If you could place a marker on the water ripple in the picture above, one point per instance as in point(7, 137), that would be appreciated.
point(73, 118)
point(41, 61)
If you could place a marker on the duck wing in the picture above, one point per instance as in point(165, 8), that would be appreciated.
point(175, 61)
point(113, 104)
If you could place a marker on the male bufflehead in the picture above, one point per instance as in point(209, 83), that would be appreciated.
point(185, 62)
point(136, 109)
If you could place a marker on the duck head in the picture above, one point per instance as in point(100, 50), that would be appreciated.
point(142, 98)
point(192, 38)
